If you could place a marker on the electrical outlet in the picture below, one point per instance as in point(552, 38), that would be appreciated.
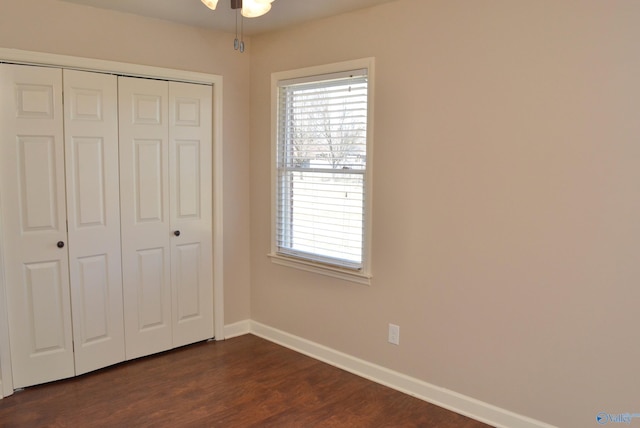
point(394, 334)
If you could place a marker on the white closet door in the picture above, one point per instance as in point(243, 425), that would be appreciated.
point(34, 231)
point(93, 212)
point(145, 226)
point(190, 177)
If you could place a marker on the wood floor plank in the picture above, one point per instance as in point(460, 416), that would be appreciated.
point(241, 382)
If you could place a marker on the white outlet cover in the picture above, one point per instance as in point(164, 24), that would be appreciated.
point(394, 334)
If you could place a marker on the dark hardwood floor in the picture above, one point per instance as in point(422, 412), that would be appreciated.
point(241, 382)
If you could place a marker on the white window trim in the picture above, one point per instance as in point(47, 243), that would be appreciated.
point(364, 275)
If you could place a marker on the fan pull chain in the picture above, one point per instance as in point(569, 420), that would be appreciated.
point(238, 44)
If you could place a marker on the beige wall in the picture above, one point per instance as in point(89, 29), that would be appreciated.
point(506, 187)
point(62, 28)
point(506, 220)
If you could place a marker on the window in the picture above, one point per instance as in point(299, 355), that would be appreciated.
point(322, 146)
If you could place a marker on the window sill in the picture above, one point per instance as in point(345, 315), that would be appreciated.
point(334, 272)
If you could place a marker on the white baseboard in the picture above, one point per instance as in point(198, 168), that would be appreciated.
point(236, 329)
point(441, 397)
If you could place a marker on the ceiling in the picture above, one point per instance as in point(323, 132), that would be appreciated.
point(284, 13)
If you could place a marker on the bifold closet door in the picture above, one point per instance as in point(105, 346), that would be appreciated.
point(145, 225)
point(34, 224)
point(93, 213)
point(190, 160)
point(165, 170)
point(107, 218)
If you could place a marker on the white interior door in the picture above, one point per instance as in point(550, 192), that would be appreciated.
point(93, 212)
point(34, 224)
point(145, 226)
point(190, 196)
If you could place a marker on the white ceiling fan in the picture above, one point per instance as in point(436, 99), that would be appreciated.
point(249, 8)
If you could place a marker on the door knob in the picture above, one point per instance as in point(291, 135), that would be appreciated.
point(60, 244)
point(177, 233)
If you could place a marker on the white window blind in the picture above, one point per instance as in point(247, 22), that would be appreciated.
point(321, 168)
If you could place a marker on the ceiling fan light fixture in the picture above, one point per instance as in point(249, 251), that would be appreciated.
point(247, 9)
point(211, 4)
point(255, 8)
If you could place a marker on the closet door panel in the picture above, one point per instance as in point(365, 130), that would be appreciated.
point(144, 193)
point(148, 175)
point(38, 193)
point(33, 195)
point(43, 295)
point(93, 210)
point(191, 180)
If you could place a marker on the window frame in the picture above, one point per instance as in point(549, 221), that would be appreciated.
point(362, 275)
